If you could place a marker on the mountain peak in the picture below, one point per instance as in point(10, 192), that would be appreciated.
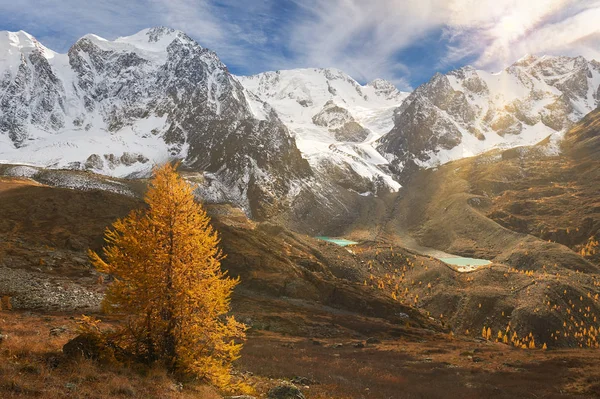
point(552, 61)
point(159, 32)
point(386, 89)
point(154, 38)
point(526, 60)
point(381, 84)
point(150, 44)
point(468, 111)
point(17, 39)
point(94, 38)
point(21, 42)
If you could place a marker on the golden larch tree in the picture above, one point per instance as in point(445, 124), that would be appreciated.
point(168, 281)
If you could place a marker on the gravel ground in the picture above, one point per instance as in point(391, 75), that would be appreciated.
point(33, 290)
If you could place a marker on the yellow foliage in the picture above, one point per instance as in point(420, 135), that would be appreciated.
point(168, 281)
point(88, 324)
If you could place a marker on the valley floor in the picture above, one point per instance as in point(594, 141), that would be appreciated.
point(417, 365)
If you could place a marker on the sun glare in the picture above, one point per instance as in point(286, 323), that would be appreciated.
point(510, 27)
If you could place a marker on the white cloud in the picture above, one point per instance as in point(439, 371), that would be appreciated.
point(493, 32)
point(362, 38)
point(499, 32)
point(576, 35)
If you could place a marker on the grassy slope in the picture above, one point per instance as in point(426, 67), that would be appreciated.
point(505, 206)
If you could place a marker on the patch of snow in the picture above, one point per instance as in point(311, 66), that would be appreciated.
point(21, 171)
point(75, 146)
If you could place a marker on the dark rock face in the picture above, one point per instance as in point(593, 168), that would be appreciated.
point(419, 127)
point(33, 95)
point(341, 123)
point(425, 122)
point(569, 75)
point(441, 95)
point(351, 131)
point(507, 124)
point(553, 115)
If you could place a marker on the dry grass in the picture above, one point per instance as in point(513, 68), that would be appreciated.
point(32, 365)
point(436, 367)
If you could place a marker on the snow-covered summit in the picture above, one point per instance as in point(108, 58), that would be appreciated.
point(118, 107)
point(272, 140)
point(21, 42)
point(15, 45)
point(315, 86)
point(386, 89)
point(333, 118)
point(151, 43)
point(155, 39)
point(468, 111)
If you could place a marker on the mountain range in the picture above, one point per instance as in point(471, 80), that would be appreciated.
point(274, 141)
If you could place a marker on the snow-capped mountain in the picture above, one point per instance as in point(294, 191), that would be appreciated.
point(467, 111)
point(118, 107)
point(305, 144)
point(334, 119)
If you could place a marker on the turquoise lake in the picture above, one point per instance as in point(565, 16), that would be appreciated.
point(460, 261)
point(339, 241)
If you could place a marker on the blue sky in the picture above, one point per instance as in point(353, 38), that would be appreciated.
point(404, 41)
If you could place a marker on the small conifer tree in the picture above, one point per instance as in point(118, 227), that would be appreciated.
point(165, 262)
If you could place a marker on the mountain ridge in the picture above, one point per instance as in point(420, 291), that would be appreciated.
point(276, 142)
point(116, 108)
point(466, 111)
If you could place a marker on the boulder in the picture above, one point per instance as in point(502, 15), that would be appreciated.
point(86, 346)
point(285, 392)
